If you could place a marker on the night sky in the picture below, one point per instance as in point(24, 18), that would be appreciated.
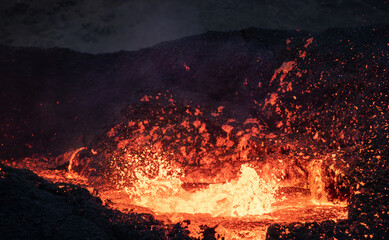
point(110, 25)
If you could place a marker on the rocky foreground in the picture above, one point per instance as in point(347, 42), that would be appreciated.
point(34, 208)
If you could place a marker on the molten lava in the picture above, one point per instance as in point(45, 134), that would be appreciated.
point(240, 208)
point(248, 195)
point(174, 162)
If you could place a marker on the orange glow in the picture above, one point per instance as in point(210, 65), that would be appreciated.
point(187, 68)
point(177, 164)
point(285, 68)
point(308, 42)
point(248, 195)
point(71, 158)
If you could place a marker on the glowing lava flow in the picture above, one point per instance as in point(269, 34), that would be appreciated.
point(241, 208)
point(248, 195)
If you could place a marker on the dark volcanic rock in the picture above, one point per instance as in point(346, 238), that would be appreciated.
point(33, 208)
